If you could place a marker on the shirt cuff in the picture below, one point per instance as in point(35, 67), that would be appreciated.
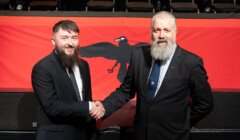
point(90, 106)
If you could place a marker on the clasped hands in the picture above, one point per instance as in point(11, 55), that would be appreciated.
point(97, 110)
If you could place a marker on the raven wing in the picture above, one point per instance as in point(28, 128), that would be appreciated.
point(102, 49)
point(140, 44)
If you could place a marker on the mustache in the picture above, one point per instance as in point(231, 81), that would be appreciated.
point(69, 46)
point(161, 40)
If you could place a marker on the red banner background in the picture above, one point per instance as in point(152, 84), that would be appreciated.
point(25, 40)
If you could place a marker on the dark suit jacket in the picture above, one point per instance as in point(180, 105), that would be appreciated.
point(61, 116)
point(183, 98)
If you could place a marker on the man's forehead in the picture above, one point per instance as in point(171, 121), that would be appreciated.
point(163, 23)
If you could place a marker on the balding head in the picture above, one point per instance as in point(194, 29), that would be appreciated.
point(164, 15)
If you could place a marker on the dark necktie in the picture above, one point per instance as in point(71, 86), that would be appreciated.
point(153, 79)
point(74, 83)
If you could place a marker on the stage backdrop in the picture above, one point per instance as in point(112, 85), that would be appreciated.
point(25, 40)
point(106, 44)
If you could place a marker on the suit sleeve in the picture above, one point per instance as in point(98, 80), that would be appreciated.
point(201, 94)
point(123, 94)
point(44, 87)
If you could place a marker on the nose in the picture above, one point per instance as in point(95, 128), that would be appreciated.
point(161, 35)
point(70, 42)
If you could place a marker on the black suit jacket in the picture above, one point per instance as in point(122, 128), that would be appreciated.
point(61, 116)
point(183, 98)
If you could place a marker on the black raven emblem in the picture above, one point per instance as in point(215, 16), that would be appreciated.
point(120, 53)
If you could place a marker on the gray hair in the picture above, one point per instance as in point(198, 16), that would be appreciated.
point(165, 15)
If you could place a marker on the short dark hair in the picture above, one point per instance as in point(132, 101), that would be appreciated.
point(65, 25)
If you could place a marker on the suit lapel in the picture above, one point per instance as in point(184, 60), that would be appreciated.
point(170, 72)
point(146, 70)
point(62, 73)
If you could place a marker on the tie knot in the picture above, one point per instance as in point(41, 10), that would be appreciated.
point(157, 62)
point(70, 70)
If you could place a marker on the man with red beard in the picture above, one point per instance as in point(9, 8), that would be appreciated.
point(62, 85)
point(170, 84)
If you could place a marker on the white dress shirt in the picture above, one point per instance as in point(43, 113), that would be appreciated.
point(78, 78)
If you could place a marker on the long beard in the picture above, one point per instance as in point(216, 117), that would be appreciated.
point(68, 60)
point(162, 52)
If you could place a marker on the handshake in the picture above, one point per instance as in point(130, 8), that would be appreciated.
point(97, 110)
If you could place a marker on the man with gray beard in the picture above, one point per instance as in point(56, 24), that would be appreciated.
point(170, 84)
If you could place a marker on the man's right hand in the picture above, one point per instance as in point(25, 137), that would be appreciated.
point(97, 110)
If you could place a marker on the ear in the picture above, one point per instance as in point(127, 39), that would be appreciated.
point(53, 41)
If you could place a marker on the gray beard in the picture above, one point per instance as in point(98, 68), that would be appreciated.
point(163, 52)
